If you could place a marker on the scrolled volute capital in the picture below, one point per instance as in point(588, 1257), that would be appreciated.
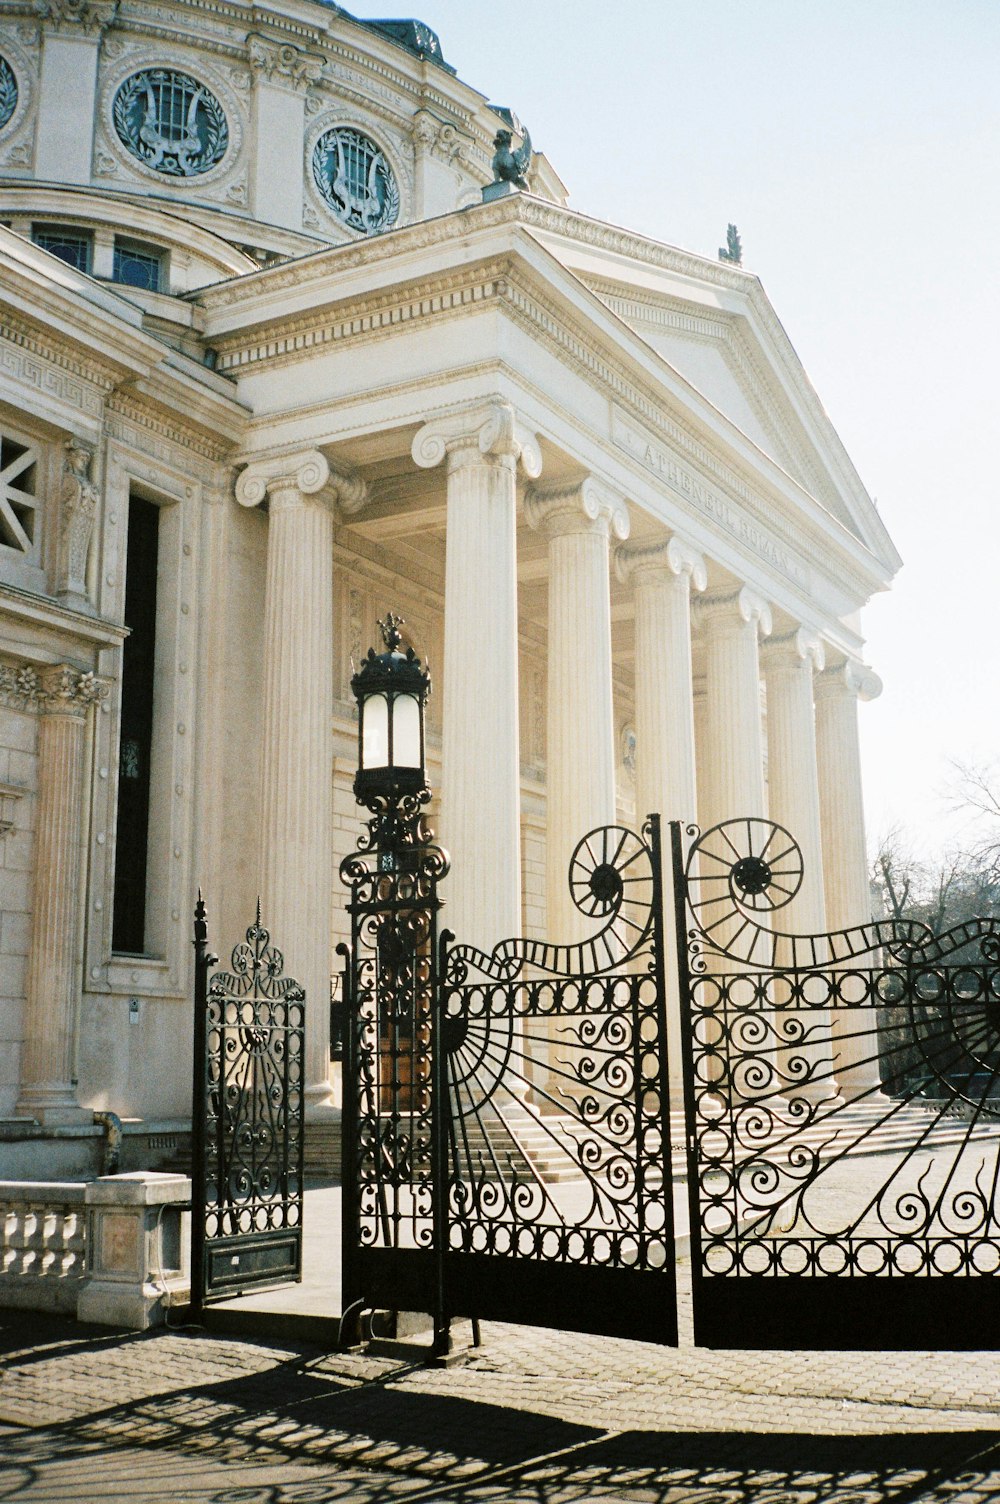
point(735, 610)
point(490, 429)
point(849, 680)
point(306, 472)
point(585, 506)
point(668, 559)
point(792, 650)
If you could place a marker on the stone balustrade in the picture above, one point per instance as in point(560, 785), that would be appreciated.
point(111, 1250)
point(43, 1241)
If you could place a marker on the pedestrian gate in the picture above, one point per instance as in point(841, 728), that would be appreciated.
point(247, 1119)
point(506, 1123)
point(843, 1113)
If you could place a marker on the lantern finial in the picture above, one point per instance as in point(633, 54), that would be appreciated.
point(390, 630)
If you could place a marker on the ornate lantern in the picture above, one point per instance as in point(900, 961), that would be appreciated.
point(391, 689)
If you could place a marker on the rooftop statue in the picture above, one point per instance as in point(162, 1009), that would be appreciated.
point(733, 249)
point(511, 166)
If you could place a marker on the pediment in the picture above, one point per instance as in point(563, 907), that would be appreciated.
point(716, 350)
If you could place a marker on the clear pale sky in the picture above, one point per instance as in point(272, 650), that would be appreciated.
point(856, 145)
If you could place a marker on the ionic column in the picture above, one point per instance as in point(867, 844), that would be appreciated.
point(48, 1087)
point(663, 574)
point(580, 761)
point(793, 801)
point(480, 763)
point(845, 858)
point(731, 781)
point(792, 780)
point(296, 824)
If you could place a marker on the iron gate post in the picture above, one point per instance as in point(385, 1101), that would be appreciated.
point(204, 960)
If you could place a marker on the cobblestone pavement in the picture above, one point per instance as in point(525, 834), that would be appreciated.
point(547, 1417)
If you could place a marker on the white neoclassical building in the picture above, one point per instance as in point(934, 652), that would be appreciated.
point(269, 366)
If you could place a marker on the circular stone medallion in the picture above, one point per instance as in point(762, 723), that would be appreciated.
point(8, 92)
point(170, 122)
point(355, 179)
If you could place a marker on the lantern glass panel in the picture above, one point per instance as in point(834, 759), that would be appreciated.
point(375, 733)
point(406, 732)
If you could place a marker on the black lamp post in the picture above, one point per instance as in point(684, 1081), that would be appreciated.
point(391, 689)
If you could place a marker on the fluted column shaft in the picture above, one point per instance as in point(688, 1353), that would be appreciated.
point(580, 735)
point(793, 785)
point(845, 857)
point(48, 1087)
point(480, 753)
point(664, 576)
point(731, 783)
point(296, 825)
point(793, 801)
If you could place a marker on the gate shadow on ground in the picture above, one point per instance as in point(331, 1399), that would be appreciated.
point(308, 1431)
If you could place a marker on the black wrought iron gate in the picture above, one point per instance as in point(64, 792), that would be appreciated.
point(247, 1119)
point(843, 1113)
point(506, 1122)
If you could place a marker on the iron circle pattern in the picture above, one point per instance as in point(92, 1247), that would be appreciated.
point(170, 122)
point(353, 176)
point(756, 862)
point(8, 92)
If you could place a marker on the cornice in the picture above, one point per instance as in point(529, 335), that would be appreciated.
point(42, 611)
point(56, 351)
point(150, 418)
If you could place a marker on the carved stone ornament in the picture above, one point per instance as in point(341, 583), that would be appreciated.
point(170, 122)
point(355, 180)
point(91, 15)
point(78, 506)
point(440, 137)
point(282, 61)
point(55, 689)
point(8, 92)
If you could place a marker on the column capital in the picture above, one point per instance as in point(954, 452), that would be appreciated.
point(733, 611)
point(793, 649)
point(849, 679)
point(671, 558)
point(307, 472)
point(58, 689)
point(490, 429)
point(586, 506)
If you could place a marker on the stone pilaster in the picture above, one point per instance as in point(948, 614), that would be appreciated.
point(663, 575)
point(296, 816)
point(63, 696)
point(580, 763)
point(283, 74)
point(480, 774)
point(731, 780)
point(845, 858)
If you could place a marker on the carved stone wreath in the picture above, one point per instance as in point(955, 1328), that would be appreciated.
point(355, 180)
point(8, 92)
point(170, 122)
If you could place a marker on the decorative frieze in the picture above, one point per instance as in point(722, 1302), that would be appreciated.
point(84, 15)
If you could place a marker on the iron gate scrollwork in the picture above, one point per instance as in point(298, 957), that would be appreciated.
point(509, 1115)
point(247, 1119)
point(843, 1113)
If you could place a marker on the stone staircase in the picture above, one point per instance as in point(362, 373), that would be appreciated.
point(517, 1140)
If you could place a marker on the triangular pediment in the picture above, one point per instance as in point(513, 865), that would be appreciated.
point(712, 323)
